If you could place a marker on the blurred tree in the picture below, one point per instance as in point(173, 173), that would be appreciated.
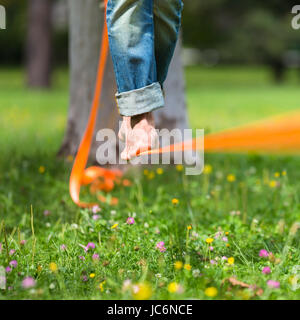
point(248, 31)
point(267, 40)
point(38, 46)
point(12, 38)
point(85, 24)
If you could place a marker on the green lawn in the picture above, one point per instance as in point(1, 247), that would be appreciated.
point(257, 209)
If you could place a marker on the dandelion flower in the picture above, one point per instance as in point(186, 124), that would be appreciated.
point(142, 291)
point(187, 267)
point(179, 167)
point(277, 174)
point(92, 275)
point(189, 227)
point(178, 265)
point(209, 240)
point(211, 292)
point(159, 171)
point(151, 175)
point(273, 184)
point(42, 169)
point(115, 226)
point(231, 178)
point(231, 260)
point(53, 267)
point(70, 158)
point(101, 286)
point(207, 169)
point(173, 287)
point(175, 201)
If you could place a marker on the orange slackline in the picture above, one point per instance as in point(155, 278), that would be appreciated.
point(278, 134)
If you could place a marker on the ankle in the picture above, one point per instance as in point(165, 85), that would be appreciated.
point(145, 117)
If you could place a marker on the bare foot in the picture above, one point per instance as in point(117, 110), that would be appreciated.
point(139, 135)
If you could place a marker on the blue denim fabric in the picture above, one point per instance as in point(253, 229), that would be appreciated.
point(142, 38)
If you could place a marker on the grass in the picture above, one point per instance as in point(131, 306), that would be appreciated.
point(252, 200)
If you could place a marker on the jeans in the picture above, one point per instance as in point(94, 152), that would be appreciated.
point(142, 39)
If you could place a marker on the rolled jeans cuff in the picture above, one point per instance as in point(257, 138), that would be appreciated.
point(138, 101)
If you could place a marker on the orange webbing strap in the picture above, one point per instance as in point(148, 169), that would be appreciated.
point(79, 175)
point(280, 134)
point(277, 134)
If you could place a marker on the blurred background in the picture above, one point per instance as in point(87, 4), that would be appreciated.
point(241, 58)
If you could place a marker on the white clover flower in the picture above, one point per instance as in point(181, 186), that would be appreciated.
point(196, 273)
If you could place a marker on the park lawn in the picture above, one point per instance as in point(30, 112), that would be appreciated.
point(241, 205)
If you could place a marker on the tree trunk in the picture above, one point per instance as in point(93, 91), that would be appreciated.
point(38, 46)
point(86, 22)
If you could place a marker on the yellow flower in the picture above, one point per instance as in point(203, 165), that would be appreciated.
point(226, 233)
point(231, 260)
point(187, 267)
point(207, 169)
point(231, 178)
point(179, 167)
point(115, 226)
point(211, 292)
point(101, 286)
point(189, 227)
point(53, 267)
point(209, 240)
point(283, 173)
point(173, 287)
point(178, 265)
point(146, 172)
point(277, 174)
point(142, 291)
point(227, 245)
point(159, 171)
point(70, 158)
point(42, 169)
point(92, 275)
point(175, 201)
point(151, 175)
point(273, 184)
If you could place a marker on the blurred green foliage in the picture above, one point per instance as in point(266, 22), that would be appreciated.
point(249, 31)
point(13, 39)
point(243, 32)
